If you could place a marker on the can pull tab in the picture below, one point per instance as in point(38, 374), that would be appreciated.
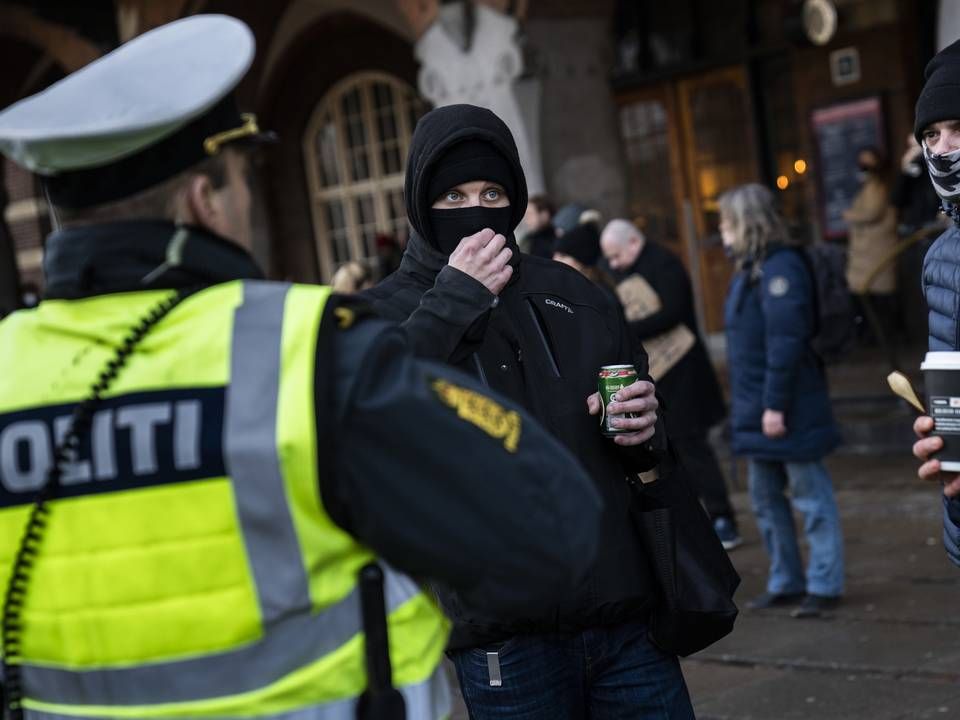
point(493, 669)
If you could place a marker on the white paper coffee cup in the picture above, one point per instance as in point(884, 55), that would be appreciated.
point(941, 373)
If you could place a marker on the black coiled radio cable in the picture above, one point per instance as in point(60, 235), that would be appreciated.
point(38, 519)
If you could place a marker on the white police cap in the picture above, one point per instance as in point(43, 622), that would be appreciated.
point(151, 108)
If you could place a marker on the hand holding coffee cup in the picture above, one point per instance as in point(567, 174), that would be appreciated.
point(939, 432)
point(924, 449)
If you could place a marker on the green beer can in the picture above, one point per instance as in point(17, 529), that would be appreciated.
point(612, 379)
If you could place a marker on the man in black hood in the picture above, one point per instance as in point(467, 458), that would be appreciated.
point(538, 332)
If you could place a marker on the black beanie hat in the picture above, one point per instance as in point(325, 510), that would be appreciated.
point(467, 161)
point(940, 98)
point(582, 243)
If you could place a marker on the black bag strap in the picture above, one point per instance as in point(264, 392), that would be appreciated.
point(11, 702)
point(815, 286)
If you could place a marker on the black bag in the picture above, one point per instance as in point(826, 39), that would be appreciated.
point(835, 315)
point(696, 580)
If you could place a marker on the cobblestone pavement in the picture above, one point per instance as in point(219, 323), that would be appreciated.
point(891, 651)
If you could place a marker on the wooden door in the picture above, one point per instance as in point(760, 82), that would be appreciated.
point(717, 139)
point(650, 129)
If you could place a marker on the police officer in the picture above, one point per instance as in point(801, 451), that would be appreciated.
point(195, 464)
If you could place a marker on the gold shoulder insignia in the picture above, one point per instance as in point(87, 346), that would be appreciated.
point(345, 317)
point(488, 415)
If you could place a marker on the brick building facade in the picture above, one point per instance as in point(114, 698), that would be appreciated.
point(635, 107)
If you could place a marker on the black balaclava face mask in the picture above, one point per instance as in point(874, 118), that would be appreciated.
point(465, 162)
point(451, 226)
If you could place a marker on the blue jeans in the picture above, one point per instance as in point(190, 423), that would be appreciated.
point(600, 674)
point(811, 493)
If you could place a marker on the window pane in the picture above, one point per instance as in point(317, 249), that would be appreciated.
point(363, 206)
point(415, 107)
point(356, 133)
point(360, 164)
point(390, 158)
point(387, 125)
point(396, 208)
point(357, 144)
point(336, 225)
point(643, 126)
point(369, 235)
point(382, 96)
point(350, 105)
point(335, 215)
point(721, 145)
point(328, 154)
point(366, 222)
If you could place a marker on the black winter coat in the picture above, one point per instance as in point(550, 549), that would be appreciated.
point(690, 390)
point(541, 345)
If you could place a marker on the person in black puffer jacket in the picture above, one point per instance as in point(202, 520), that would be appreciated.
point(538, 332)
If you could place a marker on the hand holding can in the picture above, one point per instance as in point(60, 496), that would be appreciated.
point(627, 407)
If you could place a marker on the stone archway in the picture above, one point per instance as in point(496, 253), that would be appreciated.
point(36, 52)
point(68, 48)
point(298, 79)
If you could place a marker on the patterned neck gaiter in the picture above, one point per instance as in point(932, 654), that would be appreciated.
point(944, 174)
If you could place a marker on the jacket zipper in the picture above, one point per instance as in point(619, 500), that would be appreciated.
point(543, 339)
point(480, 373)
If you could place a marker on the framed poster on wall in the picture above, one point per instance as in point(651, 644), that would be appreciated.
point(840, 131)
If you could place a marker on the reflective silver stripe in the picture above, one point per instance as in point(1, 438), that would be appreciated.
point(250, 452)
point(294, 637)
point(290, 644)
point(428, 700)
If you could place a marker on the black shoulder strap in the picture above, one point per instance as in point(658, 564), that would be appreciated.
point(812, 272)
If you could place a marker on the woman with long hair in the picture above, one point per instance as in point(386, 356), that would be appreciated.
point(781, 417)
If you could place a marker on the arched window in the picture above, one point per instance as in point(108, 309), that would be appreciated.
point(354, 150)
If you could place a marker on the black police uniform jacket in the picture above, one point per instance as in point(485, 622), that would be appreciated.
point(541, 343)
point(380, 430)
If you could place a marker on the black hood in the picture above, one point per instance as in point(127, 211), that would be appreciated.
point(437, 131)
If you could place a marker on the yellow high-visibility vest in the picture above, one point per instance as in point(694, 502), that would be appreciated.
point(189, 568)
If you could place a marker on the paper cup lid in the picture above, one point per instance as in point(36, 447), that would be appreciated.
point(941, 361)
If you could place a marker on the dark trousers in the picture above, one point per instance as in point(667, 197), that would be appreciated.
point(702, 472)
point(610, 673)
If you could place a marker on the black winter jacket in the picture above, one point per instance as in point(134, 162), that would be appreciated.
point(690, 389)
point(541, 345)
